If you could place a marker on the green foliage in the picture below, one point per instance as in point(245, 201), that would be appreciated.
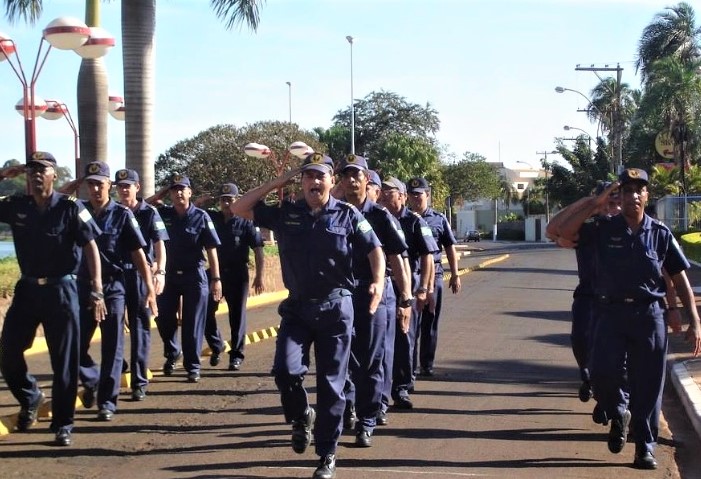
point(216, 155)
point(18, 184)
point(508, 217)
point(691, 243)
point(566, 186)
point(9, 274)
point(472, 178)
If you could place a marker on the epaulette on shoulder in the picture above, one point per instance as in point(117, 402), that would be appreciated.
point(72, 198)
point(415, 214)
point(348, 205)
point(590, 220)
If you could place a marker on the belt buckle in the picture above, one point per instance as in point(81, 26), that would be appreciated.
point(628, 300)
point(42, 281)
point(179, 272)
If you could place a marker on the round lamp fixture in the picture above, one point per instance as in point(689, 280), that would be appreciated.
point(66, 33)
point(98, 44)
point(300, 149)
point(7, 46)
point(35, 110)
point(256, 150)
point(54, 110)
point(119, 113)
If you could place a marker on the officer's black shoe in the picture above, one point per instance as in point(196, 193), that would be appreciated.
point(382, 418)
point(585, 392)
point(426, 372)
point(193, 377)
point(138, 393)
point(403, 402)
point(63, 438)
point(215, 359)
point(302, 431)
point(363, 439)
point(88, 397)
point(105, 415)
point(618, 435)
point(598, 415)
point(28, 415)
point(327, 467)
point(349, 416)
point(235, 364)
point(169, 365)
point(645, 461)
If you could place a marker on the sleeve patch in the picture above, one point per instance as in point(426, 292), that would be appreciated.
point(160, 226)
point(426, 231)
point(134, 223)
point(85, 216)
point(364, 226)
point(210, 225)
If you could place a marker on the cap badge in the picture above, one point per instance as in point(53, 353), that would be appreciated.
point(38, 155)
point(351, 158)
point(317, 158)
point(177, 178)
point(415, 183)
point(633, 173)
point(94, 168)
point(122, 174)
point(226, 189)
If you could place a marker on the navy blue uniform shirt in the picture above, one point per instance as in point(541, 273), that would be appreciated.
point(388, 231)
point(629, 265)
point(236, 235)
point(418, 237)
point(189, 234)
point(48, 243)
point(442, 234)
point(120, 233)
point(316, 251)
point(152, 229)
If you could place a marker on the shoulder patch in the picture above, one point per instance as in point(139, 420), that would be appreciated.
point(134, 223)
point(364, 226)
point(426, 231)
point(85, 216)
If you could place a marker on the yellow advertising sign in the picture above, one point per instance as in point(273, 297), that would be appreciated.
point(664, 144)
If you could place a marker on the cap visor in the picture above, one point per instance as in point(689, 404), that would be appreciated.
point(97, 177)
point(315, 167)
point(41, 162)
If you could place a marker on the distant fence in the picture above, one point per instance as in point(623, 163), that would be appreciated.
point(670, 210)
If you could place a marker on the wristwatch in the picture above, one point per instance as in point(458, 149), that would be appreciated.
point(422, 289)
point(406, 303)
point(97, 295)
point(161, 272)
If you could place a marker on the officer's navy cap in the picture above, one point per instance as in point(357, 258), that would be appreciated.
point(42, 157)
point(97, 170)
point(180, 180)
point(318, 162)
point(374, 178)
point(130, 177)
point(394, 183)
point(417, 185)
point(633, 174)
point(228, 189)
point(354, 161)
point(601, 187)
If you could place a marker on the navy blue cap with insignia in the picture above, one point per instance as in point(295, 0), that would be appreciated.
point(130, 177)
point(417, 185)
point(601, 186)
point(374, 178)
point(180, 180)
point(630, 175)
point(353, 161)
point(97, 170)
point(394, 183)
point(318, 162)
point(228, 189)
point(43, 158)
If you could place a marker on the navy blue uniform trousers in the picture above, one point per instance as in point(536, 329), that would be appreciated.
point(54, 306)
point(106, 377)
point(139, 320)
point(427, 339)
point(390, 301)
point(193, 287)
point(634, 335)
point(235, 288)
point(581, 334)
point(327, 324)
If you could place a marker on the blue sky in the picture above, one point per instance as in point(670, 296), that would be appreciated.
point(490, 67)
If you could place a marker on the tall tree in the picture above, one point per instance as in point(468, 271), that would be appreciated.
point(672, 33)
point(472, 178)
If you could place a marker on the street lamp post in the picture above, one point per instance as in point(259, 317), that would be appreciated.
point(56, 110)
point(568, 128)
point(289, 98)
point(352, 112)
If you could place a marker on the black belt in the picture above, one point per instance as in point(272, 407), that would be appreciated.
point(331, 295)
point(48, 280)
point(624, 300)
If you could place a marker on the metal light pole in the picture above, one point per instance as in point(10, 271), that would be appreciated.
point(352, 112)
point(546, 167)
point(289, 98)
point(56, 110)
point(568, 128)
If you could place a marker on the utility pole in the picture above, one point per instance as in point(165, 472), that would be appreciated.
point(546, 167)
point(617, 125)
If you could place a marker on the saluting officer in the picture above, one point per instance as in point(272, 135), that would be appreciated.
point(631, 251)
point(421, 245)
point(419, 192)
point(49, 231)
point(237, 236)
point(138, 314)
point(317, 237)
point(120, 234)
point(370, 330)
point(190, 230)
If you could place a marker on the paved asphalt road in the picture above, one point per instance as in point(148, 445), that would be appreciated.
point(503, 404)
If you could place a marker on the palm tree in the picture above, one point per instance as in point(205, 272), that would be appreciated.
point(138, 30)
point(672, 33)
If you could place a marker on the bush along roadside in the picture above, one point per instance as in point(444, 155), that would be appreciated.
point(9, 274)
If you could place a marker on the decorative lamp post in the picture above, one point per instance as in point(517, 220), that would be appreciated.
point(56, 110)
point(298, 149)
point(352, 112)
point(64, 33)
point(116, 107)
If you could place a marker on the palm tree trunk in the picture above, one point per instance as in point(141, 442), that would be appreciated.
point(138, 57)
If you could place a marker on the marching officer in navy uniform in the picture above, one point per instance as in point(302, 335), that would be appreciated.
point(190, 231)
point(317, 237)
point(237, 236)
point(49, 230)
point(120, 234)
point(421, 245)
point(138, 314)
point(370, 330)
point(632, 250)
point(418, 193)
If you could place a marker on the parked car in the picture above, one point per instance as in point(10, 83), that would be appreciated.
point(472, 235)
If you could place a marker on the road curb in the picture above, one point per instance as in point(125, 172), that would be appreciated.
point(689, 392)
